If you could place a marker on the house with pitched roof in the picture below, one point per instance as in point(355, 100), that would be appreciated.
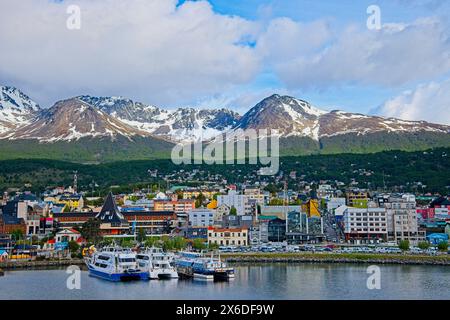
point(112, 221)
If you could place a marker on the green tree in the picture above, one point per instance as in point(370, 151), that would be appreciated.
point(73, 246)
point(276, 202)
point(424, 245)
point(233, 211)
point(271, 188)
point(179, 243)
point(17, 234)
point(199, 244)
point(404, 245)
point(141, 236)
point(200, 200)
point(126, 243)
point(443, 246)
point(91, 231)
point(151, 241)
point(213, 246)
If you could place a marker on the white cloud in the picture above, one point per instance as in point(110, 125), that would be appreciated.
point(429, 102)
point(145, 49)
point(393, 56)
point(159, 52)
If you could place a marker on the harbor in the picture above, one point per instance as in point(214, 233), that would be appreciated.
point(258, 281)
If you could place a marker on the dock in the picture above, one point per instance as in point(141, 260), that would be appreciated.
point(11, 264)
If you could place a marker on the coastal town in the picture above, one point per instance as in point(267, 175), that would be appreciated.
point(326, 217)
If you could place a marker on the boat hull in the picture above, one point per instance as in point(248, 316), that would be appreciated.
point(117, 277)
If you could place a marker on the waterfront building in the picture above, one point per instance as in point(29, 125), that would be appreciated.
point(112, 221)
point(279, 211)
point(153, 222)
point(67, 235)
point(231, 221)
point(365, 225)
point(402, 221)
point(201, 217)
point(228, 236)
point(304, 229)
point(197, 233)
point(436, 238)
point(276, 230)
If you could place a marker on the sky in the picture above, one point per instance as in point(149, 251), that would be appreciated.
point(229, 53)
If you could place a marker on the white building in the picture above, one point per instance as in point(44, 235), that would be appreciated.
point(365, 225)
point(334, 203)
point(325, 191)
point(233, 199)
point(402, 219)
point(67, 235)
point(201, 217)
point(256, 195)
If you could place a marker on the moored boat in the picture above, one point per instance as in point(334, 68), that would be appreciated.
point(115, 264)
point(157, 263)
point(200, 267)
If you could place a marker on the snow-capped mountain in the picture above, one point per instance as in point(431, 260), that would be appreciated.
point(339, 123)
point(70, 120)
point(294, 117)
point(16, 109)
point(129, 129)
point(182, 124)
point(286, 114)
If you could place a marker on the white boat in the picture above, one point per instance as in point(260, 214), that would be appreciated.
point(115, 264)
point(157, 263)
point(200, 267)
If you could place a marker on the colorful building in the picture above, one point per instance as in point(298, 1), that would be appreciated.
point(228, 237)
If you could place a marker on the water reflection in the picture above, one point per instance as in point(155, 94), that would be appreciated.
point(261, 281)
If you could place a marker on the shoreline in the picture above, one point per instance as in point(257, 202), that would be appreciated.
point(400, 259)
point(11, 265)
point(291, 258)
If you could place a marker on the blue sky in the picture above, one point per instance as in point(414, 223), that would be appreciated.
point(355, 98)
point(227, 53)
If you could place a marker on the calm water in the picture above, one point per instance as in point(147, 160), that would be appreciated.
point(269, 281)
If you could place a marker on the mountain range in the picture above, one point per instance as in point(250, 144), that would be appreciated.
point(99, 129)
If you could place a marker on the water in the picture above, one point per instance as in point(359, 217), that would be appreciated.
point(264, 281)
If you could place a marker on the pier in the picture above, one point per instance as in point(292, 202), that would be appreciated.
point(17, 264)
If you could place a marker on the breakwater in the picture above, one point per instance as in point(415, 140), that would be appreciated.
point(39, 264)
point(441, 260)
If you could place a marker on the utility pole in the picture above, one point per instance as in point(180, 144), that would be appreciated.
point(75, 181)
point(285, 203)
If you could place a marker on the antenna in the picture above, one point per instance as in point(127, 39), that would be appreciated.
point(75, 181)
point(285, 203)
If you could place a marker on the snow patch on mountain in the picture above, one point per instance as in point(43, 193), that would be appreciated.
point(16, 108)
